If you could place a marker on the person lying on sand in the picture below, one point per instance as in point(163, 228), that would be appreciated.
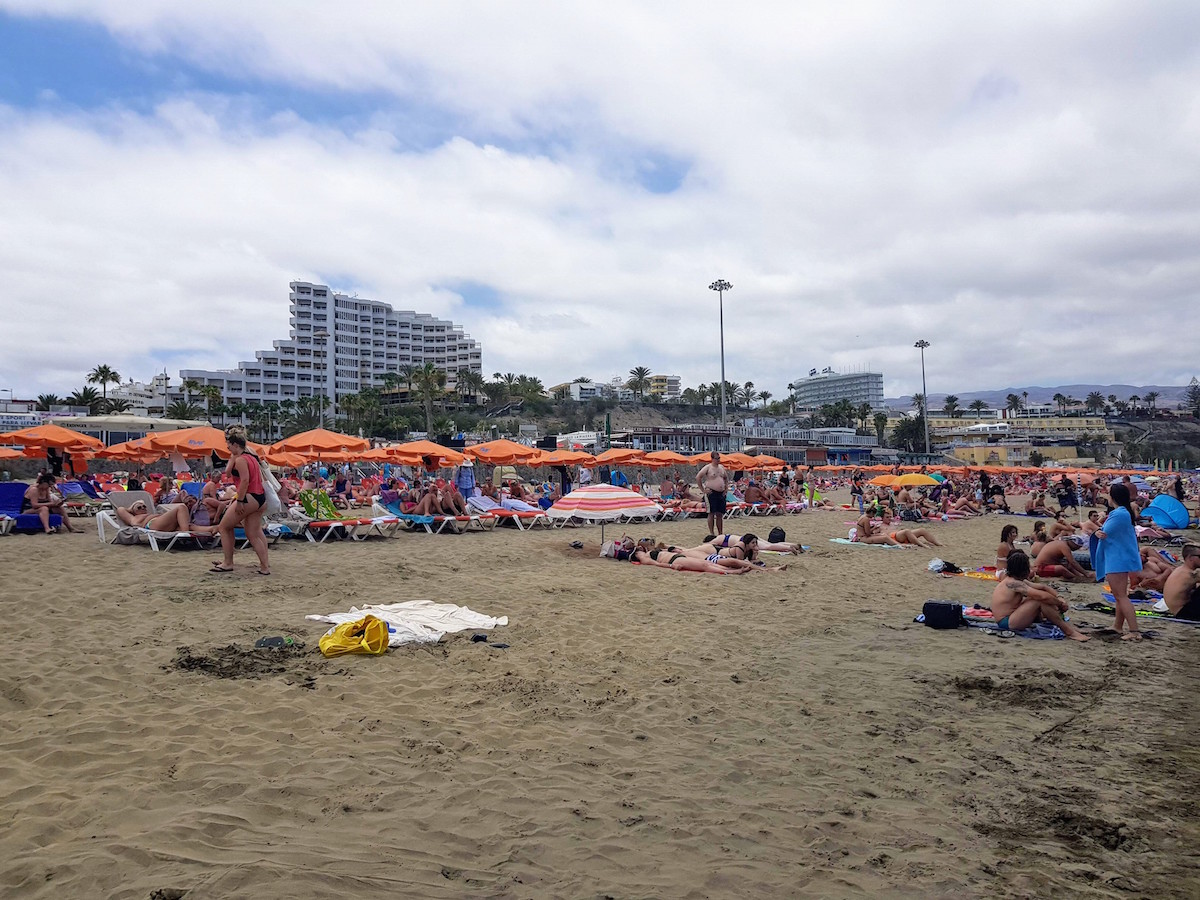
point(1017, 604)
point(1155, 571)
point(732, 558)
point(721, 541)
point(1181, 593)
point(912, 536)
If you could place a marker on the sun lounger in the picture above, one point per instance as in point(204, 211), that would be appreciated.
point(11, 495)
point(77, 501)
point(112, 530)
point(6, 524)
point(327, 522)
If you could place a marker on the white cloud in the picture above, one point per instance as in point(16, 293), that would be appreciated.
point(1016, 183)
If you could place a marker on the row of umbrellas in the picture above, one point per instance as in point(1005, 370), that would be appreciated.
point(321, 444)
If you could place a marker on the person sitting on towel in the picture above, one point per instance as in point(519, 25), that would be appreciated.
point(1181, 593)
point(912, 536)
point(1008, 534)
point(1055, 559)
point(1017, 604)
point(1036, 505)
point(864, 532)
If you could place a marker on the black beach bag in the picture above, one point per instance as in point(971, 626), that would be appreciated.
point(940, 614)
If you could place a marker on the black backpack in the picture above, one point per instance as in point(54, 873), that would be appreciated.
point(940, 614)
point(777, 535)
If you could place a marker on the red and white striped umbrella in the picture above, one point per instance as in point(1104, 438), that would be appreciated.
point(604, 502)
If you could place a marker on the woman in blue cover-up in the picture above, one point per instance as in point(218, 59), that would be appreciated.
point(1117, 556)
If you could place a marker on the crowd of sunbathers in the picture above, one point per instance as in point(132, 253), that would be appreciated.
point(717, 554)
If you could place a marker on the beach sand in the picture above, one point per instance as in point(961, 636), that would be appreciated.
point(647, 733)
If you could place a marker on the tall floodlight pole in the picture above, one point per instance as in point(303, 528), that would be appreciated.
point(321, 335)
point(721, 286)
point(921, 345)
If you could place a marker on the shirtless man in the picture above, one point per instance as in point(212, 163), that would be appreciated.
point(1017, 604)
point(864, 533)
point(1055, 559)
point(1155, 571)
point(38, 501)
point(1182, 590)
point(713, 479)
point(1060, 527)
point(1036, 505)
point(912, 536)
point(756, 495)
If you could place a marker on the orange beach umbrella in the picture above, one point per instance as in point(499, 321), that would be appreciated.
point(43, 437)
point(321, 441)
point(502, 452)
point(417, 451)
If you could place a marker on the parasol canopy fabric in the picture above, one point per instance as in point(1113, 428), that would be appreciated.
point(415, 452)
point(563, 458)
point(502, 452)
point(10, 453)
point(669, 458)
point(43, 437)
point(914, 479)
point(189, 442)
point(604, 502)
point(883, 480)
point(619, 456)
point(322, 441)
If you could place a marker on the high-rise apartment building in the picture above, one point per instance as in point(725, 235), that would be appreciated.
point(341, 345)
point(829, 386)
point(666, 386)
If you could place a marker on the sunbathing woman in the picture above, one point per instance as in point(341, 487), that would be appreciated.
point(174, 518)
point(864, 532)
point(912, 536)
point(956, 504)
point(741, 556)
point(722, 541)
point(680, 562)
point(38, 501)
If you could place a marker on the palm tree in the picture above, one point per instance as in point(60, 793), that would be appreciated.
point(1133, 403)
point(864, 413)
point(103, 376)
point(764, 396)
point(880, 421)
point(182, 409)
point(639, 380)
point(1150, 397)
point(1094, 402)
point(117, 405)
point(582, 379)
point(1112, 399)
point(1061, 400)
point(430, 382)
point(919, 402)
point(1014, 403)
point(212, 396)
point(190, 386)
point(950, 406)
point(45, 401)
point(977, 407)
point(88, 397)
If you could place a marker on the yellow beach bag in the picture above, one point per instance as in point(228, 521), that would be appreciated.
point(367, 635)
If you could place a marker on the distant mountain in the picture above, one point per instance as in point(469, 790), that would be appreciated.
point(1168, 395)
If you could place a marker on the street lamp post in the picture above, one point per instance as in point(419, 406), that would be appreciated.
point(321, 335)
point(721, 286)
point(921, 345)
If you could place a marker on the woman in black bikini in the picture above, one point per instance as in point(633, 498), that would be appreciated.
point(247, 509)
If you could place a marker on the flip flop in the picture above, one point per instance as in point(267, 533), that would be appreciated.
point(261, 572)
point(217, 567)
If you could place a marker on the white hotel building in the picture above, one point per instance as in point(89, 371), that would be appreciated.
point(365, 340)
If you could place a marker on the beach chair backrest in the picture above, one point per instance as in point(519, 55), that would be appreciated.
point(11, 494)
point(193, 487)
point(308, 502)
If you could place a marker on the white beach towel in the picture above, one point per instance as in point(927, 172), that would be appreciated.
point(417, 621)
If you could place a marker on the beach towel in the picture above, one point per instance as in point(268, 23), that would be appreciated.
point(1039, 631)
point(416, 621)
point(983, 573)
point(1141, 613)
point(1150, 598)
point(860, 544)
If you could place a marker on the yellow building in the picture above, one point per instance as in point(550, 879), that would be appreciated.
point(1041, 426)
point(1011, 454)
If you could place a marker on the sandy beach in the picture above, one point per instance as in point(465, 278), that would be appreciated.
point(646, 734)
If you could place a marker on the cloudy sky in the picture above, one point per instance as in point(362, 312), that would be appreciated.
point(1016, 182)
